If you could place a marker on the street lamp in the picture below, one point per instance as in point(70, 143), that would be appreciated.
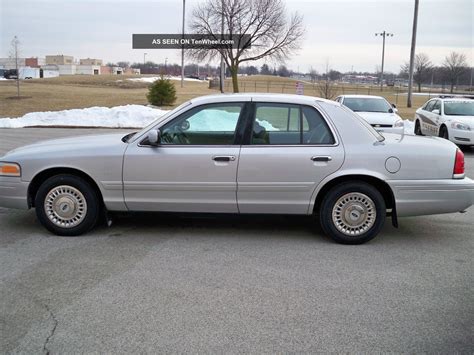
point(144, 58)
point(182, 48)
point(383, 34)
point(166, 69)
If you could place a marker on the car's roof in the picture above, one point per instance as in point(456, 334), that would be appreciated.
point(460, 99)
point(299, 99)
point(363, 97)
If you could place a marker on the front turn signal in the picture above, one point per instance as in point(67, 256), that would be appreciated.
point(10, 169)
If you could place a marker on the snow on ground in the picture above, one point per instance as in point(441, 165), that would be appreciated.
point(150, 79)
point(115, 117)
point(132, 116)
point(409, 126)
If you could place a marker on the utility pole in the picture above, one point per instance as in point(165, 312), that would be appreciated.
point(383, 34)
point(15, 43)
point(221, 81)
point(182, 48)
point(412, 54)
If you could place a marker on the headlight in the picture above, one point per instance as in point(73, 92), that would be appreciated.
point(461, 126)
point(10, 169)
point(398, 124)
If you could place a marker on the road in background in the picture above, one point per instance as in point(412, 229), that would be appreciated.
point(167, 283)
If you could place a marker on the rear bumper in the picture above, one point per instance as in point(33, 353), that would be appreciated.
point(13, 193)
point(424, 197)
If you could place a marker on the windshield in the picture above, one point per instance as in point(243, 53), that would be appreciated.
point(459, 108)
point(165, 116)
point(366, 104)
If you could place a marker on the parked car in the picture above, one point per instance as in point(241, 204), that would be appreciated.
point(448, 117)
point(376, 110)
point(242, 153)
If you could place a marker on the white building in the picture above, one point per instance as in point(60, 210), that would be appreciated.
point(88, 69)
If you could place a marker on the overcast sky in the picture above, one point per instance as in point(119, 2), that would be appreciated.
point(340, 31)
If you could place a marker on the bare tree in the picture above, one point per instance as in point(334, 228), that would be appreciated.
point(14, 54)
point(422, 69)
point(326, 87)
point(455, 65)
point(270, 33)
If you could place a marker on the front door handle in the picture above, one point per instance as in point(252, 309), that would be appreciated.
point(320, 158)
point(223, 158)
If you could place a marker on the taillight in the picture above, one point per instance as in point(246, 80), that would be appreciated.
point(458, 172)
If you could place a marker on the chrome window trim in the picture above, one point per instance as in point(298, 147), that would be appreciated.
point(319, 110)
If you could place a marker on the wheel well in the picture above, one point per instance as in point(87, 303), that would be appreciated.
point(380, 185)
point(46, 174)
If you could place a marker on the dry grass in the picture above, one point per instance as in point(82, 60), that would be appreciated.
point(79, 91)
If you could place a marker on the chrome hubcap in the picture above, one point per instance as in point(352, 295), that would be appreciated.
point(65, 206)
point(354, 214)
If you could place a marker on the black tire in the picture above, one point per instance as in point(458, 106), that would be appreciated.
point(87, 197)
point(443, 133)
point(357, 189)
point(418, 128)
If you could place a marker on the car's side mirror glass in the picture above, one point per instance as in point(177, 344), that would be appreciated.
point(394, 106)
point(435, 111)
point(154, 137)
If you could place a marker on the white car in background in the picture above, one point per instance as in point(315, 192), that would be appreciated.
point(376, 110)
point(448, 117)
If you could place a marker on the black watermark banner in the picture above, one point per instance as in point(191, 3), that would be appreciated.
point(189, 41)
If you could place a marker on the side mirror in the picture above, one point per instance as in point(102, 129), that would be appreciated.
point(394, 106)
point(154, 137)
point(435, 111)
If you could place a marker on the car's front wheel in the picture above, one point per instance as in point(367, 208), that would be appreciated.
point(352, 213)
point(443, 133)
point(67, 205)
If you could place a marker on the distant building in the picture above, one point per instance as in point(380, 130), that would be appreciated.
point(90, 61)
point(34, 62)
point(59, 59)
point(88, 69)
point(105, 69)
point(9, 63)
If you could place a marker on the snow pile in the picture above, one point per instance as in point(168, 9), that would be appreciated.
point(116, 117)
point(151, 79)
point(409, 127)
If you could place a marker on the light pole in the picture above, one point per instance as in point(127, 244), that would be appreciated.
point(383, 34)
point(412, 54)
point(221, 81)
point(182, 48)
point(144, 58)
point(166, 68)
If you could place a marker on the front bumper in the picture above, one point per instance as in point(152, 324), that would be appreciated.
point(13, 192)
point(424, 197)
point(461, 137)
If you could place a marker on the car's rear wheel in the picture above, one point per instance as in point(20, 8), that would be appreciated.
point(352, 213)
point(443, 133)
point(418, 128)
point(67, 205)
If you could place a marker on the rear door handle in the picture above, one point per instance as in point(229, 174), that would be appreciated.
point(321, 158)
point(223, 158)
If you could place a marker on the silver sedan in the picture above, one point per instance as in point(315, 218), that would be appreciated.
point(242, 153)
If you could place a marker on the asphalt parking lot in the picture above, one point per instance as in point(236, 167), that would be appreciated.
point(165, 283)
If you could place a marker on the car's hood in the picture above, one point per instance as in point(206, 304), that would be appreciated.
point(469, 120)
point(379, 117)
point(76, 144)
